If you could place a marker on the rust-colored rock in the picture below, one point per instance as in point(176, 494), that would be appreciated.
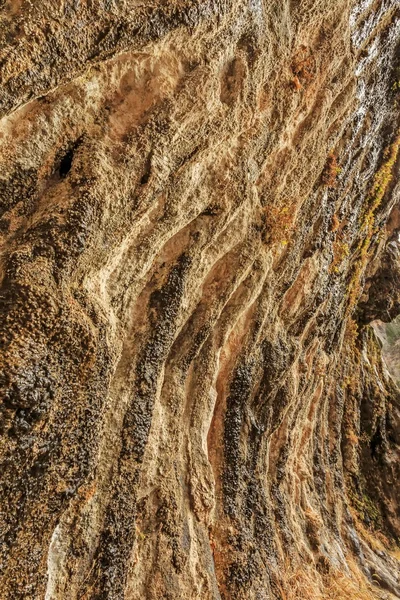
point(198, 225)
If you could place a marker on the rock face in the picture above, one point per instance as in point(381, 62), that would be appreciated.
point(198, 226)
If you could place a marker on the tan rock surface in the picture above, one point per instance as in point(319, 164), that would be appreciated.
point(196, 211)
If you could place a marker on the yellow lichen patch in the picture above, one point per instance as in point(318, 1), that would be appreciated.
point(340, 253)
point(380, 184)
point(382, 180)
point(351, 335)
point(279, 222)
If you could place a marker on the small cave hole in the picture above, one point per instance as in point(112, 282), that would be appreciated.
point(66, 163)
point(145, 178)
point(147, 170)
point(376, 443)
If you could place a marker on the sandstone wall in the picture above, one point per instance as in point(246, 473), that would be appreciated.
point(198, 224)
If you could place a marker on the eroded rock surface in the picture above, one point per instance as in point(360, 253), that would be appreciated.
point(198, 225)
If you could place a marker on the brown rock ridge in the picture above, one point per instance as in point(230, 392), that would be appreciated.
point(198, 224)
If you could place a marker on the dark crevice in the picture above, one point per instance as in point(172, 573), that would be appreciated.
point(375, 443)
point(66, 163)
point(147, 170)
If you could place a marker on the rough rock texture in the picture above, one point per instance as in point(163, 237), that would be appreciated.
point(198, 226)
